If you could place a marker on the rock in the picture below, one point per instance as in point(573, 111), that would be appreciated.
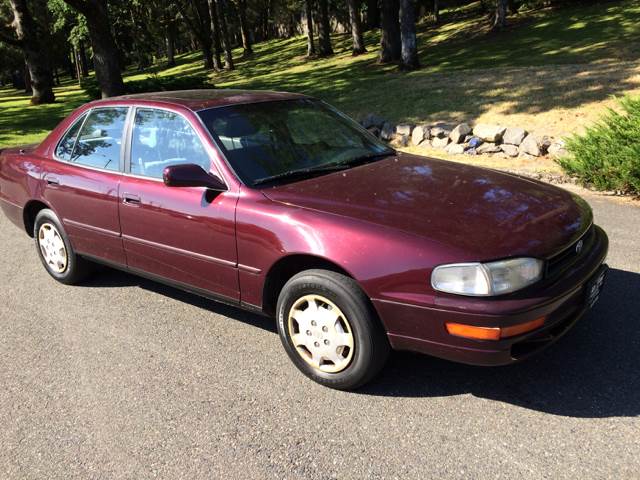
point(514, 135)
point(459, 133)
point(372, 120)
point(375, 131)
point(558, 149)
point(488, 148)
point(387, 132)
point(400, 140)
point(404, 129)
point(489, 133)
point(530, 146)
point(455, 149)
point(440, 142)
point(419, 134)
point(544, 143)
point(509, 150)
point(439, 132)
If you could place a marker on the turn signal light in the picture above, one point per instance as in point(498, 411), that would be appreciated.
point(492, 333)
point(469, 331)
point(514, 330)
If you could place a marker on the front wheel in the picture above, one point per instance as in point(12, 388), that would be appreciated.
point(330, 330)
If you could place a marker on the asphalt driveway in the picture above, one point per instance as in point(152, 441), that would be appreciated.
point(124, 378)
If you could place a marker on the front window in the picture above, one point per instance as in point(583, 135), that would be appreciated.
point(161, 139)
point(277, 141)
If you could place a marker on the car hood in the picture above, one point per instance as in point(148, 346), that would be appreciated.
point(485, 213)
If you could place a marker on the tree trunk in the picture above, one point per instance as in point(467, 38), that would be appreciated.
point(436, 11)
point(500, 20)
point(105, 51)
point(34, 40)
point(311, 48)
point(373, 14)
point(105, 55)
point(76, 56)
point(390, 42)
point(324, 33)
point(82, 56)
point(513, 6)
point(170, 39)
point(215, 32)
point(409, 47)
point(356, 27)
point(244, 28)
point(226, 42)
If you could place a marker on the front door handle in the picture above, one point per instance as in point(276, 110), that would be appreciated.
point(131, 199)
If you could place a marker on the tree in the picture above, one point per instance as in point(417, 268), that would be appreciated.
point(324, 33)
point(390, 42)
point(409, 42)
point(215, 31)
point(105, 52)
point(226, 42)
point(33, 38)
point(311, 49)
point(373, 14)
point(244, 27)
point(500, 19)
point(196, 14)
point(356, 27)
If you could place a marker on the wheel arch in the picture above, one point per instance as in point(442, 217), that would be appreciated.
point(30, 212)
point(285, 268)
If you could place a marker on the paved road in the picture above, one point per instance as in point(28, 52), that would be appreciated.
point(123, 378)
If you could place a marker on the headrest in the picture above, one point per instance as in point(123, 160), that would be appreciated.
point(235, 126)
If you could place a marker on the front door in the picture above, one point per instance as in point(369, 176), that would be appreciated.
point(82, 185)
point(186, 235)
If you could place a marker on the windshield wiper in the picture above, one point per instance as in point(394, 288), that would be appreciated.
point(368, 157)
point(302, 172)
point(329, 167)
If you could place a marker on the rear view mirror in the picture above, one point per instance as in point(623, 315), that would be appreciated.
point(191, 175)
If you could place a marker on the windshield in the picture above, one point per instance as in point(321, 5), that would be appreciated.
point(277, 141)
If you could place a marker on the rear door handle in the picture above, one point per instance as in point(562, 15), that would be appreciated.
point(131, 199)
point(51, 180)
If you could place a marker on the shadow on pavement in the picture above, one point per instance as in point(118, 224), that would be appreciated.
point(593, 371)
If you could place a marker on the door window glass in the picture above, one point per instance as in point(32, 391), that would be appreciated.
point(65, 147)
point(162, 138)
point(100, 139)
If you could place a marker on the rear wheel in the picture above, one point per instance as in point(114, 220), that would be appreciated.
point(55, 251)
point(329, 329)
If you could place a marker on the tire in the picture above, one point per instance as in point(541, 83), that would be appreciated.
point(346, 345)
point(55, 250)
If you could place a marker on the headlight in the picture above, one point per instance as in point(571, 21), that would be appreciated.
point(487, 279)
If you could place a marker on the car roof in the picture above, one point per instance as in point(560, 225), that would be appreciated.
point(202, 99)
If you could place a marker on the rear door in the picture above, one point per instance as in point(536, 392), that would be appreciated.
point(82, 185)
point(186, 235)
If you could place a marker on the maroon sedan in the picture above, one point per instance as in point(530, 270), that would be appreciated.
point(278, 203)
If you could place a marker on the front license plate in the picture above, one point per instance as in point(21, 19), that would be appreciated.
point(594, 287)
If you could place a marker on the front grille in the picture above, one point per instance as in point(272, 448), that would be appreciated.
point(563, 260)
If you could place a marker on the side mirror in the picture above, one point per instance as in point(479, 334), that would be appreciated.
point(191, 175)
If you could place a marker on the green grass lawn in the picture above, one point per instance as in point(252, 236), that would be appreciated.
point(552, 71)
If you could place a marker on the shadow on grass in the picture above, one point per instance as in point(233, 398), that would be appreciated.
point(19, 120)
point(592, 372)
point(546, 60)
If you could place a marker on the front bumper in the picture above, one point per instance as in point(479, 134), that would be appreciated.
point(422, 328)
